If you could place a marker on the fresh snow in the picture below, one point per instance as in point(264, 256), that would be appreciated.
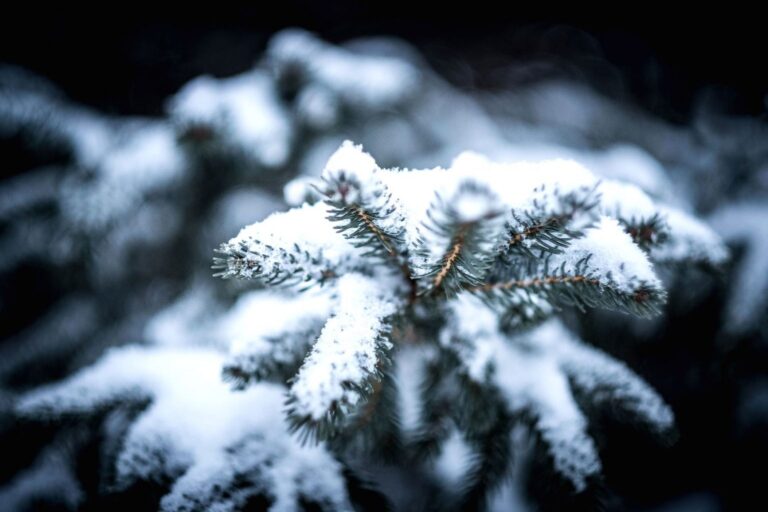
point(536, 370)
point(746, 224)
point(691, 240)
point(244, 110)
point(265, 328)
point(614, 257)
point(529, 380)
point(198, 431)
point(516, 187)
point(362, 81)
point(601, 377)
point(347, 351)
point(284, 231)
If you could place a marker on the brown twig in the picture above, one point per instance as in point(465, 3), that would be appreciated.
point(449, 260)
point(527, 283)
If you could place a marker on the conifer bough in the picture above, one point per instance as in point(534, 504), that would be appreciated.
point(463, 271)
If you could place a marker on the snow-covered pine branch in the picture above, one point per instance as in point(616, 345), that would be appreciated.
point(539, 370)
point(240, 115)
point(221, 448)
point(348, 358)
point(603, 267)
point(459, 259)
point(270, 251)
point(362, 207)
point(745, 224)
point(325, 78)
point(273, 346)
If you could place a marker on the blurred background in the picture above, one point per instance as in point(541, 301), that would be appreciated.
point(131, 144)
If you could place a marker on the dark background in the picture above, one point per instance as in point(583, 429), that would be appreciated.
point(128, 60)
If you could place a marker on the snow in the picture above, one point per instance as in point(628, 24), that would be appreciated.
point(409, 375)
point(347, 351)
point(514, 186)
point(529, 380)
point(691, 240)
point(140, 159)
point(234, 209)
point(350, 161)
point(624, 201)
point(536, 369)
point(614, 257)
point(601, 377)
point(362, 81)
point(352, 177)
point(302, 190)
point(265, 328)
point(116, 163)
point(244, 110)
point(195, 428)
point(453, 461)
point(465, 189)
point(475, 205)
point(630, 164)
point(317, 107)
point(746, 223)
point(535, 382)
point(267, 242)
point(185, 322)
point(518, 184)
point(415, 190)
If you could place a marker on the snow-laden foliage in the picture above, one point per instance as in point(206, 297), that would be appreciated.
point(347, 352)
point(745, 225)
point(49, 482)
point(221, 447)
point(109, 194)
point(416, 216)
point(535, 371)
point(327, 79)
point(242, 113)
point(461, 259)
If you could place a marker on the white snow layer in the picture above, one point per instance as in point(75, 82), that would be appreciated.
point(409, 376)
point(244, 110)
point(615, 258)
point(529, 380)
point(453, 461)
point(533, 371)
point(516, 187)
point(268, 241)
point(361, 81)
point(601, 377)
point(347, 351)
point(139, 159)
point(198, 431)
point(267, 327)
point(746, 224)
point(691, 240)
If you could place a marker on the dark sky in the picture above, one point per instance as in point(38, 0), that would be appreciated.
point(128, 61)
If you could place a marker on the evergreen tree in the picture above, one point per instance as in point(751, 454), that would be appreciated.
point(408, 324)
